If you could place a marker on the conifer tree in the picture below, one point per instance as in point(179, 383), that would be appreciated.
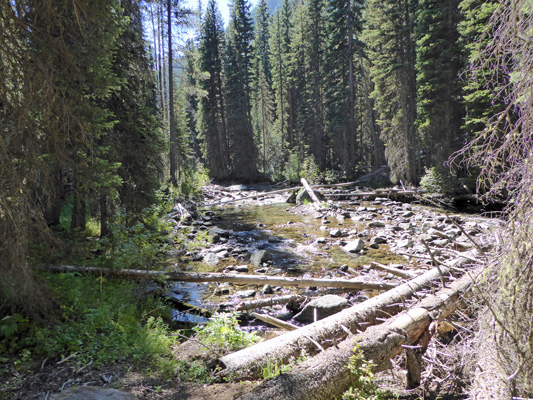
point(340, 75)
point(263, 101)
point(238, 91)
point(212, 110)
point(391, 51)
point(438, 66)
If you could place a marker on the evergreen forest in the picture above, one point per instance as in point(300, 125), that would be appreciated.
point(112, 111)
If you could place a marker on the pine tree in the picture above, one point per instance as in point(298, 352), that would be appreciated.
point(134, 142)
point(340, 75)
point(263, 101)
point(212, 111)
point(438, 66)
point(238, 91)
point(480, 98)
point(391, 51)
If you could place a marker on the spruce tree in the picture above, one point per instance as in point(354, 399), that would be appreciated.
point(263, 100)
point(135, 140)
point(238, 91)
point(438, 66)
point(340, 76)
point(212, 110)
point(391, 51)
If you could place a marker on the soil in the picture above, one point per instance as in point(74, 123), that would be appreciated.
point(42, 381)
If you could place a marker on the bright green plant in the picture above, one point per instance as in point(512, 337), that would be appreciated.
point(364, 387)
point(223, 332)
point(435, 181)
point(310, 170)
point(274, 367)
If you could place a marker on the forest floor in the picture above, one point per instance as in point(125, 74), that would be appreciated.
point(444, 373)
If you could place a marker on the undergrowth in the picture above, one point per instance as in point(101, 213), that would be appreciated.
point(101, 323)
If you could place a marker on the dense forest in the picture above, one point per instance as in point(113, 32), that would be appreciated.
point(110, 107)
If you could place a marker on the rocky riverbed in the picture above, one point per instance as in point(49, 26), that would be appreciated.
point(265, 235)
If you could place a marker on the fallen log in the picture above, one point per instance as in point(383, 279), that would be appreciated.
point(268, 302)
point(394, 271)
point(248, 363)
point(327, 376)
point(218, 277)
point(390, 193)
point(311, 194)
point(275, 321)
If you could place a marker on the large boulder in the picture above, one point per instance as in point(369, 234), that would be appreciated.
point(325, 306)
point(354, 246)
point(258, 257)
point(303, 197)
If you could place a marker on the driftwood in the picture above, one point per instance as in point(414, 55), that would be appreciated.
point(394, 271)
point(327, 376)
point(388, 193)
point(275, 321)
point(248, 362)
point(311, 194)
point(233, 278)
point(270, 301)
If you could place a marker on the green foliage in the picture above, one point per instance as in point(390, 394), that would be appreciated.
point(103, 322)
point(436, 181)
point(137, 241)
point(274, 368)
point(292, 168)
point(194, 180)
point(223, 332)
point(363, 387)
point(310, 170)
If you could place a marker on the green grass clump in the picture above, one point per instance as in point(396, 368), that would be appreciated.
point(222, 332)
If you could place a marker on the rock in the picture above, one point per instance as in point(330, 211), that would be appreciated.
point(335, 233)
point(405, 226)
point(210, 259)
point(379, 240)
point(216, 231)
point(258, 257)
point(344, 267)
point(408, 214)
point(245, 293)
point(321, 241)
point(354, 246)
point(405, 243)
point(304, 197)
point(267, 289)
point(440, 242)
point(92, 393)
point(241, 268)
point(376, 224)
point(325, 306)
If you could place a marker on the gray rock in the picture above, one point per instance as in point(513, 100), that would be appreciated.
point(379, 240)
point(354, 246)
point(258, 257)
point(304, 197)
point(242, 268)
point(408, 214)
point(441, 242)
point(321, 241)
point(405, 243)
point(335, 233)
point(267, 289)
point(325, 306)
point(405, 226)
point(376, 224)
point(210, 259)
point(92, 393)
point(245, 293)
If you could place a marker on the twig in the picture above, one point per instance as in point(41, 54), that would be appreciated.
point(437, 263)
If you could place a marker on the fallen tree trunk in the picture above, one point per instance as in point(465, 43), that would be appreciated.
point(275, 321)
point(249, 362)
point(390, 193)
point(394, 271)
point(232, 278)
point(311, 194)
point(327, 376)
point(271, 301)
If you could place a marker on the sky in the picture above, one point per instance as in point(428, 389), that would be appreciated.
point(223, 6)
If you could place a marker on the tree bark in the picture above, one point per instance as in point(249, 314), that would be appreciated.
point(311, 194)
point(216, 277)
point(327, 376)
point(247, 363)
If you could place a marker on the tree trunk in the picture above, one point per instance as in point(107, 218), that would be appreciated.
point(328, 331)
point(216, 277)
point(311, 194)
point(172, 128)
point(327, 376)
